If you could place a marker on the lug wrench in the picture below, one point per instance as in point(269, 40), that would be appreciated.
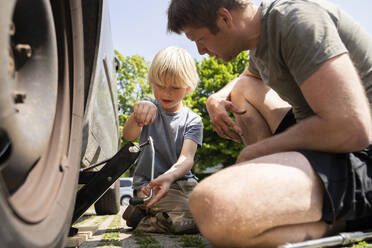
point(137, 200)
point(341, 239)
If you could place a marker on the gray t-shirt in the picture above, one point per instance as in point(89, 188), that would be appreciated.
point(297, 37)
point(168, 132)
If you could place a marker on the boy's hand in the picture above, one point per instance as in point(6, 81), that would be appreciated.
point(144, 113)
point(159, 186)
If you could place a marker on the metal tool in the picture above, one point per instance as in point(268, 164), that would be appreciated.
point(340, 239)
point(137, 200)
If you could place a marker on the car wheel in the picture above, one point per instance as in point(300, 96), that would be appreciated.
point(125, 200)
point(40, 120)
point(109, 202)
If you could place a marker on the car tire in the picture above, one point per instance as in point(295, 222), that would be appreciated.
point(41, 109)
point(109, 203)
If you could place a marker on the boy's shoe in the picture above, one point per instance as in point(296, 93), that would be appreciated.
point(182, 225)
point(155, 224)
point(133, 215)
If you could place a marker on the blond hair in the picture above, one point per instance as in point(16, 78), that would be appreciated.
point(175, 66)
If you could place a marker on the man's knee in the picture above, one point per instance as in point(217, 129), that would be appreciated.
point(252, 123)
point(217, 217)
point(201, 206)
point(204, 206)
point(244, 201)
point(238, 94)
point(200, 200)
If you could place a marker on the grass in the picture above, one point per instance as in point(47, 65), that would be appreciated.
point(112, 235)
point(83, 219)
point(191, 241)
point(98, 221)
point(145, 240)
point(363, 244)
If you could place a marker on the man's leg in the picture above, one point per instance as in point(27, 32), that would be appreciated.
point(260, 202)
point(264, 109)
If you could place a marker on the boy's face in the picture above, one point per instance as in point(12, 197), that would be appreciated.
point(170, 97)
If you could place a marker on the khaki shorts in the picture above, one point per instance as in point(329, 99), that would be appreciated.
point(170, 214)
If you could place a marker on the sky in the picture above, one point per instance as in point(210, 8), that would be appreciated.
point(139, 27)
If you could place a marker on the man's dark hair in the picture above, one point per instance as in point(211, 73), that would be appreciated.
point(199, 13)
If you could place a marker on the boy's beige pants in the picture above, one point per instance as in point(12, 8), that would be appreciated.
point(171, 213)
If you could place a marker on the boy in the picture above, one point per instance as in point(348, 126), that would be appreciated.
point(177, 132)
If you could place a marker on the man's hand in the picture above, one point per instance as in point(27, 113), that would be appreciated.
point(159, 186)
point(218, 109)
point(144, 113)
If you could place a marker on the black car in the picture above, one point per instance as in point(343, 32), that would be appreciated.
point(58, 113)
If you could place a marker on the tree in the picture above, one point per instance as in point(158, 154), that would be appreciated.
point(214, 74)
point(132, 84)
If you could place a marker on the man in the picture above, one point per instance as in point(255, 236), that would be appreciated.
point(302, 108)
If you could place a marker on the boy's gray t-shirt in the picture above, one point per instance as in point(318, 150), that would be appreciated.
point(297, 37)
point(168, 132)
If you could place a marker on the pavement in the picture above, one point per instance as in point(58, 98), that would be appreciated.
point(112, 231)
point(109, 231)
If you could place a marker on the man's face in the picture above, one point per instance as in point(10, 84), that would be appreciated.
point(217, 45)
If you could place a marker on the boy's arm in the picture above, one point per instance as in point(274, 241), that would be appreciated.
point(131, 129)
point(144, 113)
point(185, 162)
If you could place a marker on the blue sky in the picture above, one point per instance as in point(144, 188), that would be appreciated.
point(139, 26)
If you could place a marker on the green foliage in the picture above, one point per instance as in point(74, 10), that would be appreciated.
point(362, 244)
point(145, 240)
point(132, 84)
point(191, 241)
point(214, 74)
point(111, 237)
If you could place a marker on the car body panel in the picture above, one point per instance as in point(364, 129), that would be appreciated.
point(101, 128)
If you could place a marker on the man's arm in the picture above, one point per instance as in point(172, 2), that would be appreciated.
point(342, 120)
point(184, 164)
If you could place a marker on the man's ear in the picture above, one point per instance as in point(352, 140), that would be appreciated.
point(224, 17)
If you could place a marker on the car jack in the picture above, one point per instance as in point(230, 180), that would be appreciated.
point(96, 183)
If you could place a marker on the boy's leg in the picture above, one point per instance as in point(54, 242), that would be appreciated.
point(260, 202)
point(145, 219)
point(171, 213)
point(264, 109)
point(134, 214)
